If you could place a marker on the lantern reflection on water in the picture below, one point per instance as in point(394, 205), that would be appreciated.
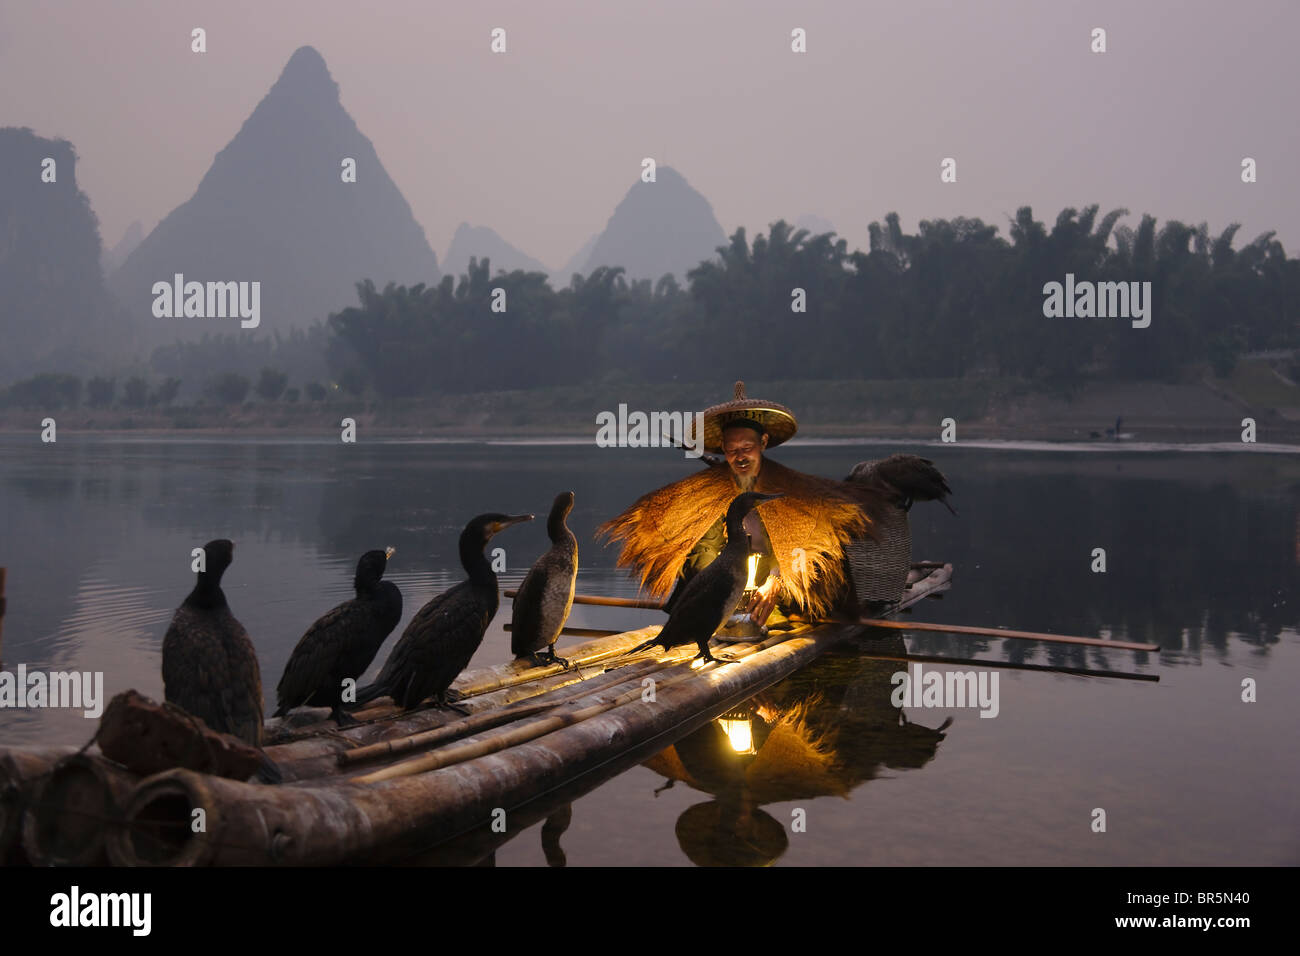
point(739, 727)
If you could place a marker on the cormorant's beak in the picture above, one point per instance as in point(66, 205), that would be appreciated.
point(389, 552)
point(779, 494)
point(513, 519)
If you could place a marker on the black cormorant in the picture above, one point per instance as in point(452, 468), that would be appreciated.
point(904, 479)
point(342, 643)
point(879, 564)
point(710, 597)
point(444, 634)
point(545, 597)
point(209, 667)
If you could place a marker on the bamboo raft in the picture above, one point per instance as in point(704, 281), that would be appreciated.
point(401, 783)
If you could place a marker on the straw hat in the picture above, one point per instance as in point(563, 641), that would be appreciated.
point(778, 420)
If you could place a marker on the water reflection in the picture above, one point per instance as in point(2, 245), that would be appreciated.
point(821, 733)
point(1203, 555)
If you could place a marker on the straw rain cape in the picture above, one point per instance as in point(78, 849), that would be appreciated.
point(808, 529)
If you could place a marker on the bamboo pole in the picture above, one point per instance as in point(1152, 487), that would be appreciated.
point(579, 631)
point(600, 601)
point(911, 626)
point(486, 720)
point(998, 632)
point(318, 757)
point(522, 731)
point(479, 689)
point(525, 730)
point(312, 825)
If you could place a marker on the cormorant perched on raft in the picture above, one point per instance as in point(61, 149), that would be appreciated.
point(545, 597)
point(209, 667)
point(444, 634)
point(878, 566)
point(342, 643)
point(904, 479)
point(708, 599)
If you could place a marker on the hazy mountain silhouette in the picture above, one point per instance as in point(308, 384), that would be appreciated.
point(273, 208)
point(54, 312)
point(660, 227)
point(480, 241)
point(114, 257)
point(577, 263)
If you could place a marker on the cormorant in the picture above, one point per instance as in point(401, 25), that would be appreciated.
point(708, 599)
point(444, 634)
point(904, 479)
point(342, 643)
point(878, 565)
point(545, 597)
point(209, 667)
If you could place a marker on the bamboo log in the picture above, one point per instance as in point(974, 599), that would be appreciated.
point(526, 730)
point(487, 720)
point(998, 632)
point(319, 756)
point(21, 773)
point(73, 809)
point(471, 683)
point(326, 762)
point(349, 822)
point(489, 687)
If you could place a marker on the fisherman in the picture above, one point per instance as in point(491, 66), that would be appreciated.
point(796, 545)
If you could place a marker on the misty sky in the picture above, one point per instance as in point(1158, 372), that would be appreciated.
point(542, 142)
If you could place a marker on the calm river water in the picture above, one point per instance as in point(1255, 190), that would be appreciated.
point(1202, 554)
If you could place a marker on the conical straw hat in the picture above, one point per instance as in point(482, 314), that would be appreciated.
point(778, 420)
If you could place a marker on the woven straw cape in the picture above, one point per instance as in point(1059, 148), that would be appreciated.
point(808, 528)
point(777, 419)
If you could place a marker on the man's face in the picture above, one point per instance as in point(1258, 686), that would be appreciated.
point(744, 450)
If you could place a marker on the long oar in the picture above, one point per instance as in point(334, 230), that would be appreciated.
point(1008, 665)
point(608, 601)
point(602, 601)
point(998, 632)
point(578, 631)
point(933, 659)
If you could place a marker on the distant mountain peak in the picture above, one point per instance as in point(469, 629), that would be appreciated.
point(666, 226)
point(480, 242)
point(275, 208)
point(306, 74)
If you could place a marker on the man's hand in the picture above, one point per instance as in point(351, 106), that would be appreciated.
point(764, 599)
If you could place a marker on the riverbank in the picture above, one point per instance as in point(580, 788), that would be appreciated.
point(1206, 411)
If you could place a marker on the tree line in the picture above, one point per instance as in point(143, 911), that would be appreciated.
point(53, 391)
point(953, 300)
